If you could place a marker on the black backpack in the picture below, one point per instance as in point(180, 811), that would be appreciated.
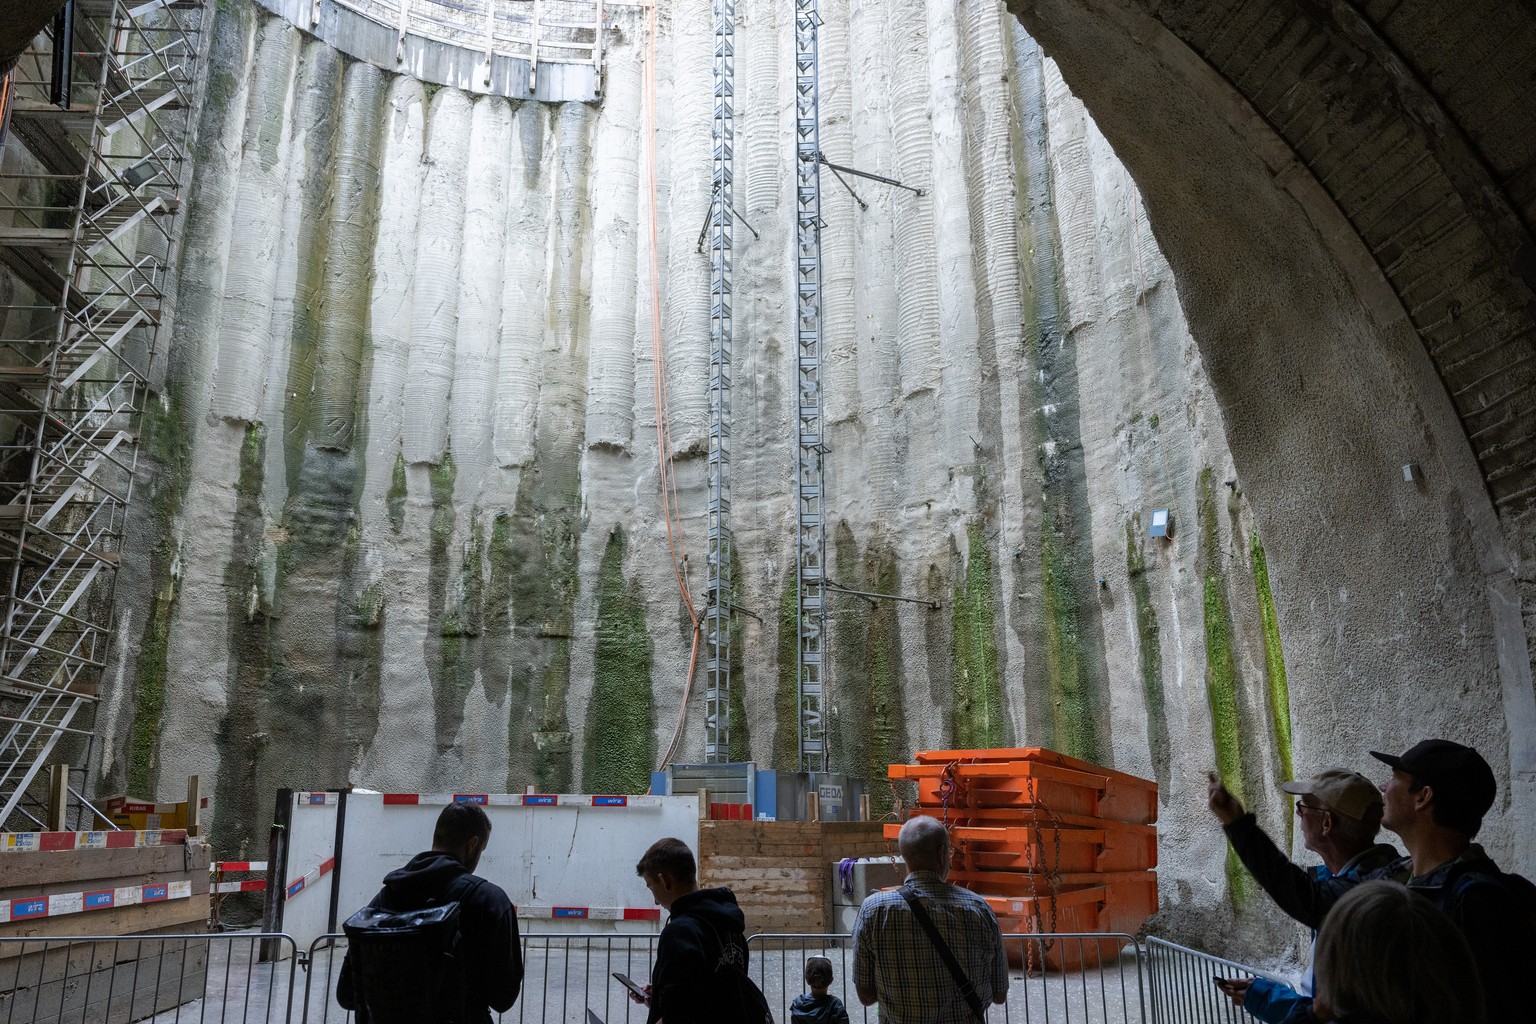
point(740, 1000)
point(406, 964)
point(1503, 943)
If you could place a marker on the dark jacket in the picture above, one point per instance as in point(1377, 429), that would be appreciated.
point(1302, 894)
point(1496, 922)
point(1497, 916)
point(487, 922)
point(807, 1009)
point(705, 930)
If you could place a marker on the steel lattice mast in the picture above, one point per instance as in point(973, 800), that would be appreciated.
point(811, 531)
point(717, 615)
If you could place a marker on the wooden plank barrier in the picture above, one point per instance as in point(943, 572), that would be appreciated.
point(140, 890)
point(781, 871)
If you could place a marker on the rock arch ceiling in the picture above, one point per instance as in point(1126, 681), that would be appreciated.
point(1417, 124)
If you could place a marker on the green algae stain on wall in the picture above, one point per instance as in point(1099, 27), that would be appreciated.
point(786, 697)
point(167, 439)
point(394, 501)
point(244, 734)
point(1221, 678)
point(887, 732)
point(848, 629)
point(1150, 645)
point(149, 705)
point(976, 714)
point(1072, 710)
point(498, 651)
point(543, 538)
point(1277, 687)
point(443, 643)
point(739, 745)
point(621, 720)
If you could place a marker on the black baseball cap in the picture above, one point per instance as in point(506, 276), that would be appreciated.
point(1458, 774)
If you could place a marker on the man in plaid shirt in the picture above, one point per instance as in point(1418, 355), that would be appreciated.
point(894, 961)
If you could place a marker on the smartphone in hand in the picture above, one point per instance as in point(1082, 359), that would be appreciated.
point(629, 983)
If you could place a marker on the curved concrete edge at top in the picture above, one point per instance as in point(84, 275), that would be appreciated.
point(435, 60)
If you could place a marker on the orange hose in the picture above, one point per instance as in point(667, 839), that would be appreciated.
point(669, 501)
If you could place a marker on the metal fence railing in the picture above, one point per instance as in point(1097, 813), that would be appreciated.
point(1182, 984)
point(212, 979)
point(1103, 982)
point(264, 979)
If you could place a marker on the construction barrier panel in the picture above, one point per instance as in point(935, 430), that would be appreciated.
point(566, 860)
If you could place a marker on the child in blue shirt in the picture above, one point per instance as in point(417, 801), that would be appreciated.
point(817, 1006)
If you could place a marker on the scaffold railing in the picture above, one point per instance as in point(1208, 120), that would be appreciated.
point(87, 233)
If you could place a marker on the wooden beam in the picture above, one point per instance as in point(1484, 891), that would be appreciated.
point(58, 796)
point(194, 806)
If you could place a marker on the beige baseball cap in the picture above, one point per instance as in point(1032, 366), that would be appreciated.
point(1348, 793)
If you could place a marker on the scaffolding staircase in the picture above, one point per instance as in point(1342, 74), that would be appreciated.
point(87, 231)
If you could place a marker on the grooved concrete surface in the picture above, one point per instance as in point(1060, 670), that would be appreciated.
point(407, 320)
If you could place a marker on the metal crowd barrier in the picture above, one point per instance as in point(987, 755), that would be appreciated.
point(114, 979)
point(254, 978)
point(1107, 987)
point(1183, 985)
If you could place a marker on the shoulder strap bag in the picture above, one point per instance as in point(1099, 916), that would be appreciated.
point(967, 990)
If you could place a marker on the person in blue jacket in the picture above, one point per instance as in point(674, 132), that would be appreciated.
point(1340, 816)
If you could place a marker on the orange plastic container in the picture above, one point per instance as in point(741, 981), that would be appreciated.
point(1120, 906)
point(1024, 883)
point(1030, 777)
point(1111, 847)
point(1107, 846)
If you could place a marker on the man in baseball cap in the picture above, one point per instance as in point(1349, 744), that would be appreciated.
point(1340, 814)
point(1435, 801)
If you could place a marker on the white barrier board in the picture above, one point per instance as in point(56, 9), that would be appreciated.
point(566, 861)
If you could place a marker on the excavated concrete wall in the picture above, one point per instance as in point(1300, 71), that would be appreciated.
point(404, 528)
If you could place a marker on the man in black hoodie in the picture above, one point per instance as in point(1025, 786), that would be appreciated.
point(701, 957)
point(493, 965)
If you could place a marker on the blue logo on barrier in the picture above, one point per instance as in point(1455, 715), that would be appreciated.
point(99, 900)
point(469, 798)
point(610, 801)
point(317, 798)
point(155, 893)
point(22, 909)
point(540, 801)
point(579, 912)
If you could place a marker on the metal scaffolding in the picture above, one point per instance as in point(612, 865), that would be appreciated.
point(717, 614)
point(87, 232)
point(811, 531)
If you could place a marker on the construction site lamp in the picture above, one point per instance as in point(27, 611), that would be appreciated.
point(137, 175)
point(1162, 523)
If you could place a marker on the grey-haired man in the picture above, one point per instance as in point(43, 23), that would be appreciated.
point(1340, 816)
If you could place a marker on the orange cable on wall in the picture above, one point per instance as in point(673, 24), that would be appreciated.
point(669, 502)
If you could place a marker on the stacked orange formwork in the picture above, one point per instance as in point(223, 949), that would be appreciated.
point(1054, 843)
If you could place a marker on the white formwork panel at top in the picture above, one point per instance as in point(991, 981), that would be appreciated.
point(311, 857)
point(567, 861)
